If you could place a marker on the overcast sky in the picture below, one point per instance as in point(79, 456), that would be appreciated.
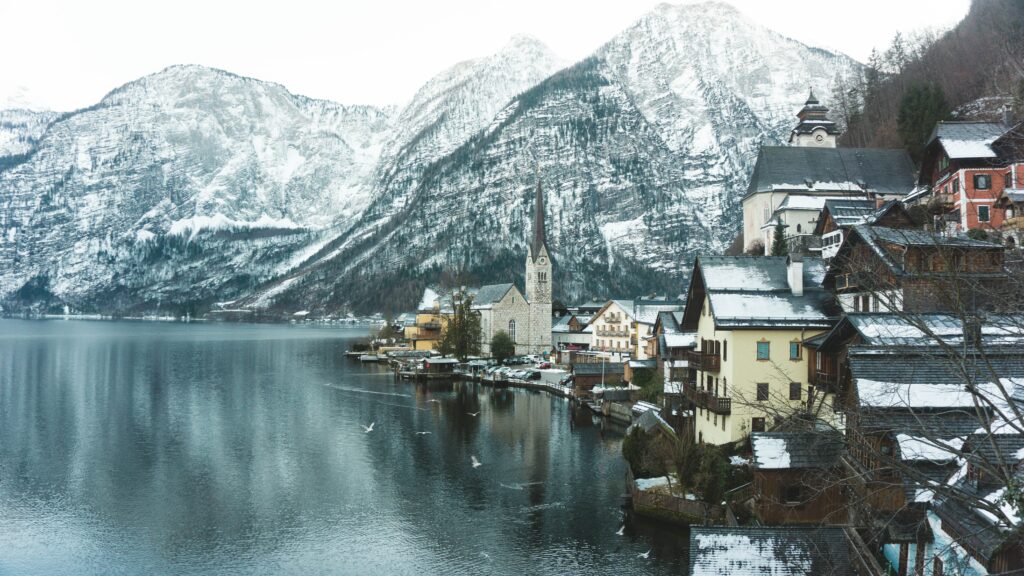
point(68, 54)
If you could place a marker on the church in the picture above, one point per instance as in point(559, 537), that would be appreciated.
point(526, 317)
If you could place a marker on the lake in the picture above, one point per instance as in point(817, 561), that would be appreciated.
point(151, 448)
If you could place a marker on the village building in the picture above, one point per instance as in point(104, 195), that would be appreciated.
point(839, 214)
point(587, 375)
point(774, 550)
point(1011, 203)
point(568, 335)
point(878, 269)
point(503, 307)
point(967, 166)
point(750, 315)
point(816, 169)
point(798, 477)
point(624, 327)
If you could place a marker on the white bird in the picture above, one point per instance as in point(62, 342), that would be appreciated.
point(476, 463)
point(474, 414)
point(434, 400)
point(621, 530)
point(486, 555)
point(369, 428)
point(645, 555)
point(422, 433)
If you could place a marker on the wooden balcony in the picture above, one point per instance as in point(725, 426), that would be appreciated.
point(825, 380)
point(703, 399)
point(704, 362)
point(429, 325)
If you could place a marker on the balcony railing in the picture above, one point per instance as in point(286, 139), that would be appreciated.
point(824, 379)
point(704, 361)
point(612, 333)
point(430, 325)
point(703, 399)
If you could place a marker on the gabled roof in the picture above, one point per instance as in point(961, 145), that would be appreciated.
point(790, 450)
point(643, 311)
point(877, 237)
point(490, 294)
point(754, 291)
point(833, 170)
point(967, 140)
point(774, 551)
point(563, 324)
point(598, 368)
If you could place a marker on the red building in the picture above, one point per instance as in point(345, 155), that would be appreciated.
point(967, 166)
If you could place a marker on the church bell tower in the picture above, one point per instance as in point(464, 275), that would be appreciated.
point(538, 281)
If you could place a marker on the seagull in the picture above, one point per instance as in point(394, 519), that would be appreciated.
point(369, 428)
point(476, 463)
point(422, 433)
point(434, 400)
point(474, 414)
point(645, 555)
point(486, 555)
point(621, 530)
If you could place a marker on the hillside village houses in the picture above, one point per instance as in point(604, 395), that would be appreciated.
point(878, 328)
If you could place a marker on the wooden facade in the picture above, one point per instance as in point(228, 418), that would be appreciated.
point(799, 496)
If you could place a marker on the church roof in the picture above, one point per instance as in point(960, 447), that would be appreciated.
point(490, 294)
point(832, 170)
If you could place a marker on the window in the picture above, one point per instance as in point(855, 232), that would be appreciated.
point(757, 424)
point(874, 304)
point(797, 228)
point(794, 390)
point(791, 494)
point(956, 185)
point(983, 213)
point(1008, 180)
point(794, 350)
point(763, 351)
point(725, 350)
point(725, 387)
point(512, 330)
point(982, 181)
point(723, 422)
point(762, 391)
point(715, 420)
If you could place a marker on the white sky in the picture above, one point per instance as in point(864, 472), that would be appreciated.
point(68, 54)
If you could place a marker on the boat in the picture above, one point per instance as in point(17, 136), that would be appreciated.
point(369, 358)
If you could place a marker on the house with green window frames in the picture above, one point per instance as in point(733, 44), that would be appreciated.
point(751, 315)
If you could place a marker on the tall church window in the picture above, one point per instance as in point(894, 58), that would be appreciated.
point(512, 330)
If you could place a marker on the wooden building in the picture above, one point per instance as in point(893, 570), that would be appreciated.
point(880, 269)
point(798, 478)
point(590, 374)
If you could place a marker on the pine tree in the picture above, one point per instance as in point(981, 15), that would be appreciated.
point(461, 335)
point(920, 108)
point(779, 245)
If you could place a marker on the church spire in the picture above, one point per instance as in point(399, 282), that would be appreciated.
point(539, 237)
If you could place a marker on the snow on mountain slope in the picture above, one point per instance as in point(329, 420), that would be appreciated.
point(186, 145)
point(644, 150)
point(20, 129)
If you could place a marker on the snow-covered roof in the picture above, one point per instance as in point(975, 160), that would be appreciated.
point(732, 309)
point(876, 394)
point(935, 450)
point(429, 300)
point(756, 273)
point(769, 551)
point(832, 170)
point(802, 202)
point(787, 450)
point(488, 295)
point(963, 140)
point(881, 329)
point(680, 340)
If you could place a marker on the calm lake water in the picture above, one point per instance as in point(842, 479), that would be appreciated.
point(145, 448)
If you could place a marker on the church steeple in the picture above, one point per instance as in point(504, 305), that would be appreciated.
point(539, 236)
point(814, 128)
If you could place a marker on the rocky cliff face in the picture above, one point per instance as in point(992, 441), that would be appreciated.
point(193, 185)
point(644, 150)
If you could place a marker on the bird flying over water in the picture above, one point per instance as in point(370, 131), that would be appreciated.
point(369, 428)
point(474, 414)
point(476, 463)
point(621, 530)
point(645, 555)
point(434, 400)
point(422, 433)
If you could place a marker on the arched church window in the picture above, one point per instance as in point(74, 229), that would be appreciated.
point(512, 330)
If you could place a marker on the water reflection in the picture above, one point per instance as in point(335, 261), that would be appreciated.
point(141, 448)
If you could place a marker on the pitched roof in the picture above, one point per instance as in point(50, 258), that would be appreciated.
point(598, 368)
point(833, 170)
point(539, 236)
point(775, 551)
point(964, 140)
point(753, 291)
point(788, 450)
point(490, 294)
point(563, 324)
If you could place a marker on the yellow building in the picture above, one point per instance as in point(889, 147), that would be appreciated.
point(750, 315)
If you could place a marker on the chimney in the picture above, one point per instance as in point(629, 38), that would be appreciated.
point(1007, 117)
point(795, 273)
point(972, 331)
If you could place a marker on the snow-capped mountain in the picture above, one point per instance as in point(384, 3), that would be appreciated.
point(644, 150)
point(98, 204)
point(195, 185)
point(20, 130)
